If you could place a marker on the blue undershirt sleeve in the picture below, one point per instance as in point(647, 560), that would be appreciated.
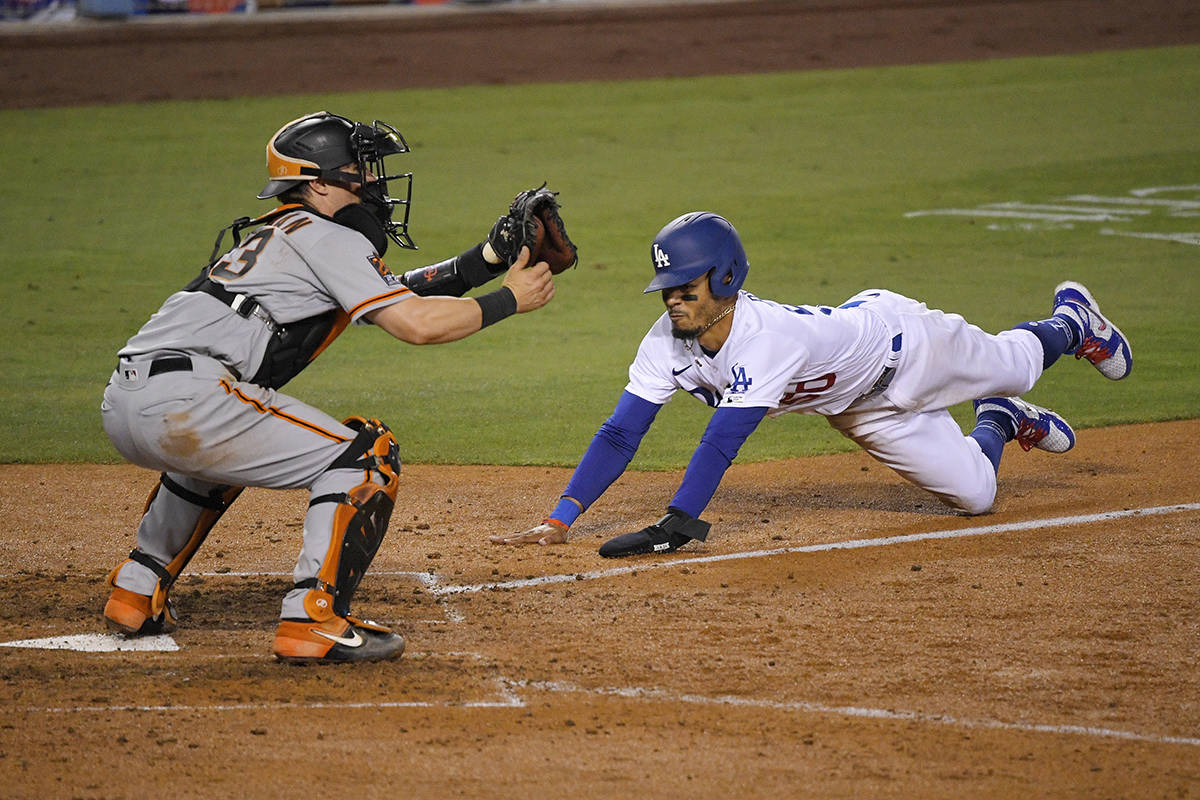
point(610, 452)
point(726, 431)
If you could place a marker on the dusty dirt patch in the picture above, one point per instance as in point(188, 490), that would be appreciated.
point(1046, 661)
point(325, 51)
point(1053, 661)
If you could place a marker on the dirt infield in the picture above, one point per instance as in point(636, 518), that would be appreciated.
point(214, 57)
point(1047, 649)
point(840, 635)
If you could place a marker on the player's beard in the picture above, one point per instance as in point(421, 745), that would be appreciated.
point(712, 312)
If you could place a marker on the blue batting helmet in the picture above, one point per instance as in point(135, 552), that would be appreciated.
point(693, 244)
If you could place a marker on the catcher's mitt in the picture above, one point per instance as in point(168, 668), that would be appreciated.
point(533, 221)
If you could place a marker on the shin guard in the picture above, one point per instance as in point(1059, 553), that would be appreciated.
point(359, 522)
point(212, 506)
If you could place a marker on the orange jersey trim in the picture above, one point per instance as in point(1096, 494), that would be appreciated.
point(283, 415)
point(387, 296)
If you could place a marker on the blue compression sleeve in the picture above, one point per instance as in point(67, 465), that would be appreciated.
point(726, 431)
point(610, 452)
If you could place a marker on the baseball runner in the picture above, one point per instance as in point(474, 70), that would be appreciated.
point(881, 367)
point(195, 394)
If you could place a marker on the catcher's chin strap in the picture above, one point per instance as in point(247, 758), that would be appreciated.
point(359, 522)
point(212, 505)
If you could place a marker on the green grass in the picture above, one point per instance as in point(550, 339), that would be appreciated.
point(107, 210)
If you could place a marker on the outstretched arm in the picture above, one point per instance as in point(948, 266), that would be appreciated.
point(610, 452)
point(726, 431)
point(436, 319)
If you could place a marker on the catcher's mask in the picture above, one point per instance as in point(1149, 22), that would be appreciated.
point(318, 145)
point(693, 244)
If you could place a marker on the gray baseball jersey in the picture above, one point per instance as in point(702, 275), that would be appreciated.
point(296, 267)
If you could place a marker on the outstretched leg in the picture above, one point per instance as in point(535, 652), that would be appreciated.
point(1077, 327)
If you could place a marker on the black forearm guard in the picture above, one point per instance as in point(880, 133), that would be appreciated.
point(454, 276)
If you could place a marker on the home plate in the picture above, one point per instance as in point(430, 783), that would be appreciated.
point(99, 643)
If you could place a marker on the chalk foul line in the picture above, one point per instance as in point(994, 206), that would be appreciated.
point(853, 544)
point(807, 707)
point(507, 693)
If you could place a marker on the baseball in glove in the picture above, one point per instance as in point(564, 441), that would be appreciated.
point(533, 221)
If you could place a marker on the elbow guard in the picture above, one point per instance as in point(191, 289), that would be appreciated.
point(454, 276)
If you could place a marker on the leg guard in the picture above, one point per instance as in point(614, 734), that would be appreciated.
point(360, 520)
point(136, 614)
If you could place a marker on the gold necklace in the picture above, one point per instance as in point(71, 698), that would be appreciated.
point(688, 342)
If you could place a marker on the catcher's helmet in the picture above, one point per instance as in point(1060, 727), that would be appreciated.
point(691, 245)
point(318, 146)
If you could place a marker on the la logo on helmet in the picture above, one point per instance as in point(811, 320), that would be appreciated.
point(661, 260)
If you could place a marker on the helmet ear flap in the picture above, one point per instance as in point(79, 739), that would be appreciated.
point(720, 283)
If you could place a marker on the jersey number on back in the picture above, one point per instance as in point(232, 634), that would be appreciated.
point(227, 269)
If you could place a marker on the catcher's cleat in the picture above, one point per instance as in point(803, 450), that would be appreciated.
point(1101, 342)
point(129, 613)
point(336, 640)
point(1035, 426)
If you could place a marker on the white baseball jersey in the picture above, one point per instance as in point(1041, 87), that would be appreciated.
point(882, 368)
point(806, 359)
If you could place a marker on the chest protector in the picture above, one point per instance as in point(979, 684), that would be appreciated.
point(293, 346)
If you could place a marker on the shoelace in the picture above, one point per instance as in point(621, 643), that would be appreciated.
point(1030, 433)
point(1094, 350)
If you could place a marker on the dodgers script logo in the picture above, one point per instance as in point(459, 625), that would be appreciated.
point(661, 259)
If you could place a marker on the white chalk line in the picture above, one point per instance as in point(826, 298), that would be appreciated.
point(806, 707)
point(955, 533)
point(505, 697)
point(432, 581)
point(507, 694)
point(506, 690)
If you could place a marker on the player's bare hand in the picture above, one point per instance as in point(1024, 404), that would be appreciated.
point(533, 286)
point(542, 534)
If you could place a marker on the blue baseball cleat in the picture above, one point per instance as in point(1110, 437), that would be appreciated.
point(1035, 426)
point(1102, 343)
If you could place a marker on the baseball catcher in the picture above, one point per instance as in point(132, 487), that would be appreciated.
point(196, 395)
point(881, 367)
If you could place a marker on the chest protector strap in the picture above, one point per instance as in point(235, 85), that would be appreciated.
point(292, 346)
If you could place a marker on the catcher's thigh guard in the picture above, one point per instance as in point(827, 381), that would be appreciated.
point(208, 509)
point(360, 520)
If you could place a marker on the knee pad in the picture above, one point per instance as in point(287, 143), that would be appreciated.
point(360, 520)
